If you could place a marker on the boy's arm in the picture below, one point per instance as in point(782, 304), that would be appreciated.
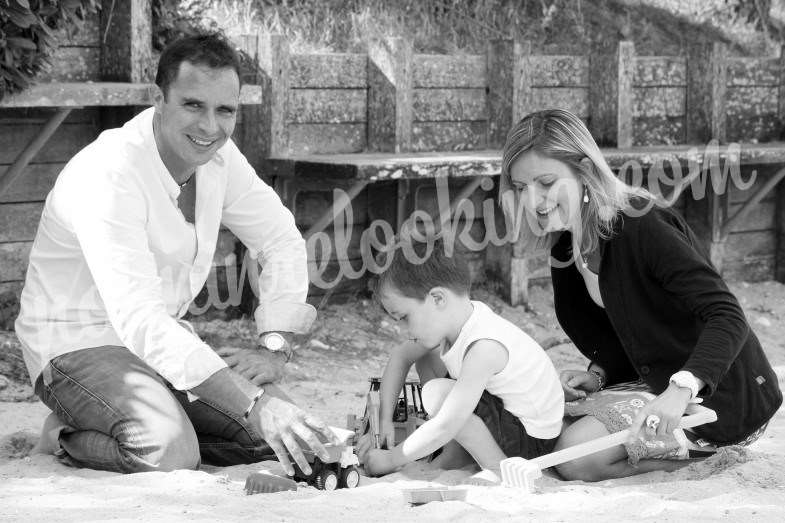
point(481, 361)
point(394, 376)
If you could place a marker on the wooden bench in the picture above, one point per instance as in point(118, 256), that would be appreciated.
point(358, 171)
point(69, 96)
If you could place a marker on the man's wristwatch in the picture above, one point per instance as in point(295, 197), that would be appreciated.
point(275, 342)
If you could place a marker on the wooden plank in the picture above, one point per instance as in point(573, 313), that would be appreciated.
point(741, 245)
point(559, 71)
point(19, 221)
point(779, 260)
point(425, 197)
point(573, 99)
point(522, 81)
point(331, 70)
point(762, 175)
point(41, 115)
point(444, 105)
point(660, 71)
point(448, 136)
point(34, 184)
point(762, 217)
point(449, 71)
point(659, 130)
point(750, 269)
point(309, 205)
point(763, 128)
point(500, 55)
point(102, 94)
point(73, 64)
point(625, 103)
point(603, 98)
point(706, 83)
point(751, 101)
point(66, 142)
point(252, 129)
point(390, 80)
point(14, 257)
point(324, 138)
point(279, 63)
point(750, 71)
point(127, 54)
point(327, 105)
point(658, 101)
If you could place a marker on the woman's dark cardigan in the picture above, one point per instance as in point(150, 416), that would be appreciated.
point(667, 309)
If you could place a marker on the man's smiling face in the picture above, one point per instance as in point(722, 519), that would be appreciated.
point(196, 117)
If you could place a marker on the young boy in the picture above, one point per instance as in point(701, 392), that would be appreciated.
point(503, 397)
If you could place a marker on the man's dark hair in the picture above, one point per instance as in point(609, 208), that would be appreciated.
point(413, 272)
point(211, 50)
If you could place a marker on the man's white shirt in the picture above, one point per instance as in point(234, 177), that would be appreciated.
point(114, 261)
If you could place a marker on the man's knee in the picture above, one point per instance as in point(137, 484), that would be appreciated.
point(167, 447)
point(434, 392)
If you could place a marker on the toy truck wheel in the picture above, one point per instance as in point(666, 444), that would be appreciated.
point(350, 477)
point(326, 480)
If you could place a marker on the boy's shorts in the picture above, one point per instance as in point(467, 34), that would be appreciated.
point(508, 431)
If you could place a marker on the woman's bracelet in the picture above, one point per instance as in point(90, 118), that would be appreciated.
point(600, 379)
point(253, 404)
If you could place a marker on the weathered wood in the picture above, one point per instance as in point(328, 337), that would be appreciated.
point(65, 142)
point(13, 260)
point(276, 59)
point(603, 96)
point(390, 96)
point(559, 71)
point(761, 217)
point(781, 93)
point(751, 113)
point(309, 205)
point(449, 71)
point(327, 105)
point(500, 74)
point(750, 269)
point(100, 94)
point(425, 197)
point(448, 136)
point(253, 137)
point(338, 288)
point(625, 110)
point(436, 105)
point(658, 102)
point(73, 64)
point(750, 243)
point(19, 221)
point(333, 71)
point(41, 115)
point(325, 138)
point(126, 45)
point(779, 260)
point(753, 71)
point(763, 128)
point(659, 130)
point(573, 99)
point(706, 84)
point(660, 71)
point(762, 176)
point(522, 81)
point(348, 249)
point(33, 185)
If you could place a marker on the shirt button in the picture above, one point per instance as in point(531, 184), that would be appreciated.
point(645, 370)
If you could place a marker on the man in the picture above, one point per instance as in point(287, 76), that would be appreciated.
point(125, 243)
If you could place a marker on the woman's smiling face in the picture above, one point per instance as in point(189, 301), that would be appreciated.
point(549, 190)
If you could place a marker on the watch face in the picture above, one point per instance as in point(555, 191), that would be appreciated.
point(274, 341)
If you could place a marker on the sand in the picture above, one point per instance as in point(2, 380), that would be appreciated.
point(737, 484)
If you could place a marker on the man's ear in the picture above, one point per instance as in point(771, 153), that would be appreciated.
point(439, 296)
point(158, 98)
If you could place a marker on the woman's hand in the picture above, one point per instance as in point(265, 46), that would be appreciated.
point(577, 383)
point(668, 407)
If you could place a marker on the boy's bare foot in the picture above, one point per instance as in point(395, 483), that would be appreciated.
point(50, 433)
point(485, 478)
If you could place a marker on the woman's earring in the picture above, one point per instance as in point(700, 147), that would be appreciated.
point(585, 196)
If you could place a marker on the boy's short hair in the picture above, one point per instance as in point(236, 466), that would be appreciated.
point(413, 272)
point(211, 50)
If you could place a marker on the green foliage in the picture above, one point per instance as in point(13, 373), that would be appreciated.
point(173, 19)
point(27, 38)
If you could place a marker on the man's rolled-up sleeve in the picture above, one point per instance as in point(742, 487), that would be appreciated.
point(110, 226)
point(256, 215)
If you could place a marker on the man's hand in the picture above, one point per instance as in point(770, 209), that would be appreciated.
point(668, 407)
point(378, 462)
point(258, 366)
point(283, 423)
point(577, 383)
point(386, 438)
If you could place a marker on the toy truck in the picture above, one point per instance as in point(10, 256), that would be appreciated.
point(408, 415)
point(340, 472)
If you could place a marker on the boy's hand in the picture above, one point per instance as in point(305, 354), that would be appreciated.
point(258, 366)
point(386, 438)
point(378, 462)
point(576, 383)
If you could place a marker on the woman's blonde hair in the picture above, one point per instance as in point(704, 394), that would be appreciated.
point(560, 135)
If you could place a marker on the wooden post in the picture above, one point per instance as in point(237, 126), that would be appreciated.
point(707, 73)
point(500, 98)
point(390, 68)
point(626, 57)
point(779, 270)
point(126, 50)
point(254, 139)
point(604, 93)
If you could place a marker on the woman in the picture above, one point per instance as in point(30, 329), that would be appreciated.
point(637, 295)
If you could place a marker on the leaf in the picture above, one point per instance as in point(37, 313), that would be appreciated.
point(23, 43)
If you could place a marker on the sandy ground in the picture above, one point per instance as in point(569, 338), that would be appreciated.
point(329, 377)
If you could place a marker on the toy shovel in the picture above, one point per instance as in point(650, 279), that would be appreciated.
point(520, 472)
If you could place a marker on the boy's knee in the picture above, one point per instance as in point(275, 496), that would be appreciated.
point(434, 392)
point(583, 469)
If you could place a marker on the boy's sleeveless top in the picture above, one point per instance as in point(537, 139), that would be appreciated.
point(528, 385)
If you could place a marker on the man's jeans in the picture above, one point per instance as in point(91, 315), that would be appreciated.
point(124, 417)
